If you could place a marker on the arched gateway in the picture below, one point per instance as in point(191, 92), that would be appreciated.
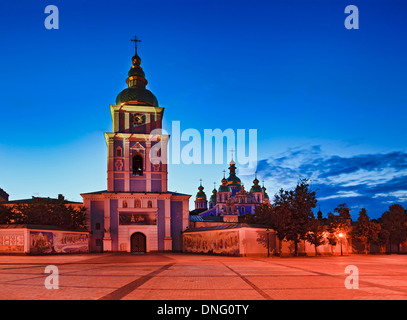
point(138, 242)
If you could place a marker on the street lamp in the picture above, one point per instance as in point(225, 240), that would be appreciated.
point(341, 237)
point(268, 242)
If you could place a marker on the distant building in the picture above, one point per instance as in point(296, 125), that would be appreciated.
point(214, 225)
point(230, 201)
point(3, 195)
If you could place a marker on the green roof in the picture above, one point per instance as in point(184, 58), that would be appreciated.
point(142, 96)
point(224, 189)
point(233, 180)
point(256, 189)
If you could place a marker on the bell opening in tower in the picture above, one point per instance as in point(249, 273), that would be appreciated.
point(138, 165)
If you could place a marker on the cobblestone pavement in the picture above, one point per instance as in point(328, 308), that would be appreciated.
point(159, 276)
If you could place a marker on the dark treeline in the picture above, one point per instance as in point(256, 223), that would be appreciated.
point(291, 216)
point(43, 211)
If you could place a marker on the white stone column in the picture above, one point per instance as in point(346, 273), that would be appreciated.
point(126, 121)
point(148, 165)
point(167, 235)
point(110, 165)
point(164, 166)
point(87, 204)
point(107, 240)
point(126, 154)
point(185, 214)
point(116, 121)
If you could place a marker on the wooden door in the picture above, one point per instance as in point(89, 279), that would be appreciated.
point(138, 242)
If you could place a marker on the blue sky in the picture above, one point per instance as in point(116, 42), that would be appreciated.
point(328, 103)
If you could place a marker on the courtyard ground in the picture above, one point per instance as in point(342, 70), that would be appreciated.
point(162, 276)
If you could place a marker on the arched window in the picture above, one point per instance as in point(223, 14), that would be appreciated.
point(118, 152)
point(138, 165)
point(124, 204)
point(137, 203)
point(149, 204)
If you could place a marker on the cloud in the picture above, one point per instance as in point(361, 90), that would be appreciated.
point(341, 194)
point(372, 181)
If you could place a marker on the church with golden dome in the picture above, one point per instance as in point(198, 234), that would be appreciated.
point(214, 225)
point(231, 199)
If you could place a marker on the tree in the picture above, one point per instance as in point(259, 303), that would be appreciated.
point(395, 222)
point(343, 212)
point(315, 235)
point(294, 211)
point(262, 215)
point(5, 214)
point(337, 225)
point(270, 216)
point(333, 228)
point(382, 237)
point(289, 215)
point(281, 215)
point(366, 231)
point(42, 211)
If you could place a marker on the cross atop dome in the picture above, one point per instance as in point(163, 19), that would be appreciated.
point(232, 152)
point(135, 40)
point(136, 93)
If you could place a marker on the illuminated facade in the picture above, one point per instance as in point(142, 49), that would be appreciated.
point(230, 201)
point(136, 213)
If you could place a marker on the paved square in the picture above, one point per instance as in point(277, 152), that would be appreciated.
point(160, 276)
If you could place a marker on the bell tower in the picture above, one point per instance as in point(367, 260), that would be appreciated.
point(137, 149)
point(136, 213)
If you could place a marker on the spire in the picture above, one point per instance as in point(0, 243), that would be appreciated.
point(256, 181)
point(256, 187)
point(214, 193)
point(136, 77)
point(224, 186)
point(136, 93)
point(319, 213)
point(201, 194)
point(200, 200)
point(266, 196)
point(233, 179)
point(232, 161)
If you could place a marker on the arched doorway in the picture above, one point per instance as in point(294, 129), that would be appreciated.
point(138, 242)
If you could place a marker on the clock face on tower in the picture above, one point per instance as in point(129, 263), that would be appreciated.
point(138, 119)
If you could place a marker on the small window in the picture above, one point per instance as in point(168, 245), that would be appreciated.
point(149, 204)
point(124, 204)
point(118, 152)
point(97, 226)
